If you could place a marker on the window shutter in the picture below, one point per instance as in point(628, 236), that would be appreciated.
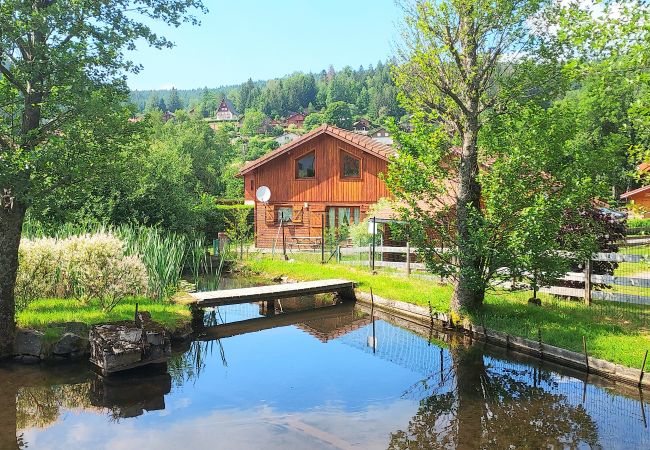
point(297, 214)
point(270, 214)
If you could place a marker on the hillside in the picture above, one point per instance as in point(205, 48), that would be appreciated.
point(369, 92)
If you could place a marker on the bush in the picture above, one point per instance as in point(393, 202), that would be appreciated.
point(638, 223)
point(218, 217)
point(87, 266)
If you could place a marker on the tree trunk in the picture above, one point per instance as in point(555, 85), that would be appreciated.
point(11, 223)
point(469, 290)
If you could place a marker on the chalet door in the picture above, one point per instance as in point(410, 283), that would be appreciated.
point(342, 216)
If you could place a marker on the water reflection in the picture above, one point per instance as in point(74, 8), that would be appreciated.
point(295, 378)
point(36, 397)
point(487, 406)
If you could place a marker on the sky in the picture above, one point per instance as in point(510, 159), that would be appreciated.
point(263, 39)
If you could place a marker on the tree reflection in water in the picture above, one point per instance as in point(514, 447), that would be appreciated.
point(480, 406)
point(36, 397)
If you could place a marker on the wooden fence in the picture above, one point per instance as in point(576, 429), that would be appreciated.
point(587, 278)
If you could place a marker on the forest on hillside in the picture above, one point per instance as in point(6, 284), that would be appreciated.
point(368, 92)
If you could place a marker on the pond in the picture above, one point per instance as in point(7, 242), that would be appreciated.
point(333, 378)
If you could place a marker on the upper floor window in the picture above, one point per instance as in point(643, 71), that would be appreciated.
point(350, 166)
point(305, 166)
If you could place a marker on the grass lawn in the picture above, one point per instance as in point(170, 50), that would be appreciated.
point(617, 333)
point(40, 313)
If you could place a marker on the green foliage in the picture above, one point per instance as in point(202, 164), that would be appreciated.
point(638, 223)
point(314, 120)
point(219, 218)
point(239, 228)
point(85, 267)
point(371, 91)
point(253, 123)
point(338, 114)
point(173, 101)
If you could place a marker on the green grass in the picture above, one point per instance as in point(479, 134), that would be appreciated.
point(41, 313)
point(411, 290)
point(617, 333)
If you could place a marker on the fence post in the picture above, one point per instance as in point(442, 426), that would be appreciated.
point(322, 239)
point(588, 282)
point(374, 234)
point(408, 258)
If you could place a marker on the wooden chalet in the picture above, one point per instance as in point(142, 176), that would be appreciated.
point(640, 198)
point(226, 111)
point(362, 126)
point(328, 177)
point(296, 119)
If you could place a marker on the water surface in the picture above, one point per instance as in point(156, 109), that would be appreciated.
point(316, 381)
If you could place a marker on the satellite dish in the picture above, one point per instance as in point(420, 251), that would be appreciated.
point(263, 194)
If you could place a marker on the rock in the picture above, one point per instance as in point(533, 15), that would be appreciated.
point(124, 345)
point(71, 345)
point(29, 343)
point(184, 332)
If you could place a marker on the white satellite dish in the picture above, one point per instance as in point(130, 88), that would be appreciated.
point(263, 194)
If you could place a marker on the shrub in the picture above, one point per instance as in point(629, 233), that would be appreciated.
point(87, 266)
point(219, 217)
point(39, 270)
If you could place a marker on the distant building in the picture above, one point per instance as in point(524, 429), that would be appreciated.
point(381, 135)
point(296, 119)
point(226, 110)
point(362, 126)
point(167, 116)
point(286, 138)
point(640, 198)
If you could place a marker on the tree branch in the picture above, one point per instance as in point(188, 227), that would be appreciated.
point(10, 77)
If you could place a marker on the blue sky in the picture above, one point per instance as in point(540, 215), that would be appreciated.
point(263, 39)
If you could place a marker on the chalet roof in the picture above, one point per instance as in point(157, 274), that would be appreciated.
point(360, 141)
point(643, 167)
point(229, 105)
point(633, 192)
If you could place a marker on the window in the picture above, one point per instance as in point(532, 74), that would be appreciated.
point(305, 166)
point(285, 213)
point(252, 184)
point(343, 216)
point(350, 166)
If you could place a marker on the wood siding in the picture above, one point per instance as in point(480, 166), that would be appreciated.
point(310, 198)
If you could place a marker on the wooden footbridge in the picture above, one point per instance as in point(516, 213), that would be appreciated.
point(344, 288)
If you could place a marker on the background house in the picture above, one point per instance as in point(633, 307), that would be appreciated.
point(641, 200)
point(328, 176)
point(296, 119)
point(226, 110)
point(382, 135)
point(362, 126)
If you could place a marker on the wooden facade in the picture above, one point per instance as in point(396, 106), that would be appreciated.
point(640, 198)
point(336, 193)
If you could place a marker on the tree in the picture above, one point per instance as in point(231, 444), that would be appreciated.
point(253, 122)
point(313, 120)
point(54, 58)
point(173, 101)
point(452, 70)
point(338, 114)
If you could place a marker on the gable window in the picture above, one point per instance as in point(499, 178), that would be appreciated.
point(305, 166)
point(350, 166)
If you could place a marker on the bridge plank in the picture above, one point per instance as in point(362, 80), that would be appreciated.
point(259, 293)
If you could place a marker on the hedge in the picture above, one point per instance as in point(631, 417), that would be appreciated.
point(215, 218)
